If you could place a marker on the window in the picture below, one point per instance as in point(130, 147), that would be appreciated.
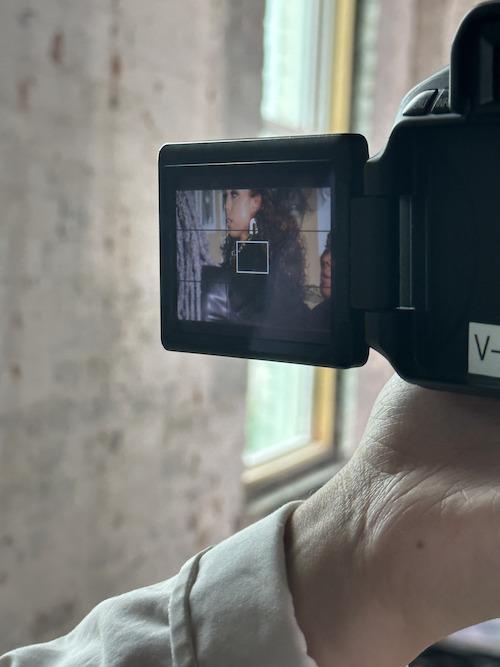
point(297, 65)
point(308, 59)
point(306, 88)
point(290, 419)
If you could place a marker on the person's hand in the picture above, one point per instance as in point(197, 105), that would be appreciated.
point(402, 546)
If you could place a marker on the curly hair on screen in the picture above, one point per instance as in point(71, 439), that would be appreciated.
point(278, 221)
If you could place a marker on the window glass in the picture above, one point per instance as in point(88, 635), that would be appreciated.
point(296, 77)
point(289, 390)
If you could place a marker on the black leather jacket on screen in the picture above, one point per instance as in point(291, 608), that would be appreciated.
point(249, 299)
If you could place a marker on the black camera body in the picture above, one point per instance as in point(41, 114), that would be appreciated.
point(302, 249)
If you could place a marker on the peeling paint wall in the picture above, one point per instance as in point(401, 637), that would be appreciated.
point(118, 460)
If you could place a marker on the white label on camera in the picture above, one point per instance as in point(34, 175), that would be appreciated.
point(484, 349)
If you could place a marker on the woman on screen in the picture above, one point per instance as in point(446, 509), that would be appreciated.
point(263, 260)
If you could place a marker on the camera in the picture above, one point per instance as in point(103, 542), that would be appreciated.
point(305, 250)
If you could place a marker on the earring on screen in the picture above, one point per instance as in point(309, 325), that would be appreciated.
point(253, 228)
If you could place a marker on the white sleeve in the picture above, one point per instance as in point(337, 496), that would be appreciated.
point(229, 605)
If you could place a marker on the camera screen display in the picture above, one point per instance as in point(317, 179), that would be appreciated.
point(257, 258)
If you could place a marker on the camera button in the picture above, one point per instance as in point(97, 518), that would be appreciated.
point(442, 104)
point(420, 104)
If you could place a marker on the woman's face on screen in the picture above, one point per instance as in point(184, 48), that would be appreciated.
point(240, 207)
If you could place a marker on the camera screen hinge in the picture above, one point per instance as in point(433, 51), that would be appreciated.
point(374, 253)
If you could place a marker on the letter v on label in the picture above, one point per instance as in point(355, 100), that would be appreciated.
point(482, 351)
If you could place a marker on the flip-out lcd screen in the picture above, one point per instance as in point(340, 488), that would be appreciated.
point(254, 248)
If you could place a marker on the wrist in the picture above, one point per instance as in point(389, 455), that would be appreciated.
point(334, 584)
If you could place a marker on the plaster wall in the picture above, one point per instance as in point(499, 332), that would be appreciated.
point(118, 460)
